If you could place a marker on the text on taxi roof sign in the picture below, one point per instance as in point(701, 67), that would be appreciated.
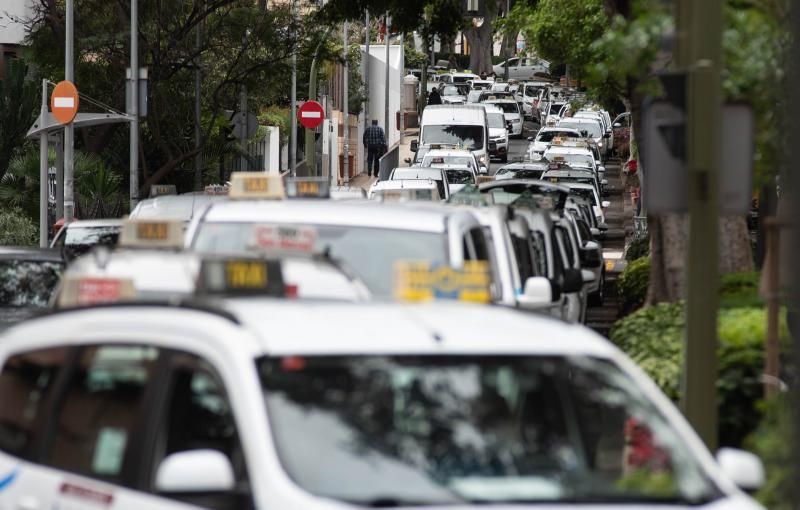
point(81, 290)
point(283, 238)
point(241, 276)
point(420, 282)
point(256, 185)
point(137, 233)
point(307, 187)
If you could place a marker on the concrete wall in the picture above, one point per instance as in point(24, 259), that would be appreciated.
point(377, 85)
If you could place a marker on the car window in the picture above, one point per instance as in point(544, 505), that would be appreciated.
point(199, 416)
point(102, 409)
point(26, 381)
point(523, 255)
point(513, 61)
point(540, 253)
point(479, 243)
point(28, 283)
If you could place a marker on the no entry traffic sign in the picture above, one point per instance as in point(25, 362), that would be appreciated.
point(311, 114)
point(64, 102)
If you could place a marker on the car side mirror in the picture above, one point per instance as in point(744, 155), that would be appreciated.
point(601, 169)
point(195, 471)
point(604, 182)
point(407, 161)
point(572, 281)
point(602, 226)
point(605, 203)
point(414, 145)
point(484, 170)
point(743, 468)
point(538, 292)
point(587, 276)
point(595, 231)
point(530, 138)
point(617, 125)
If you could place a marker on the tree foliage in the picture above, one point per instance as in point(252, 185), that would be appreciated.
point(19, 99)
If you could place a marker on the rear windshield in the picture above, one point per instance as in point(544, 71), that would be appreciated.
point(548, 136)
point(468, 136)
point(496, 120)
point(28, 283)
point(507, 107)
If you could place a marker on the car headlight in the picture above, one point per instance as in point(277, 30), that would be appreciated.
point(515, 121)
point(600, 144)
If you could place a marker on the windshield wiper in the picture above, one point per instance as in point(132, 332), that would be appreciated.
point(395, 502)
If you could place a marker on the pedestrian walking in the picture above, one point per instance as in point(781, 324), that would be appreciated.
point(434, 97)
point(375, 143)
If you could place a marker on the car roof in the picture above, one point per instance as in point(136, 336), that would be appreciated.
point(524, 182)
point(281, 327)
point(367, 214)
point(581, 120)
point(534, 165)
point(565, 149)
point(574, 172)
point(105, 222)
point(425, 172)
point(30, 253)
point(180, 207)
point(446, 152)
point(557, 128)
point(404, 184)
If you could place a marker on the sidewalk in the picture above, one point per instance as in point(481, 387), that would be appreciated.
point(363, 181)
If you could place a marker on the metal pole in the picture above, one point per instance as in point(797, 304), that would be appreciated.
point(198, 159)
point(43, 165)
point(243, 163)
point(704, 101)
point(345, 108)
point(293, 133)
point(386, 97)
point(134, 137)
point(402, 111)
point(69, 129)
point(60, 176)
point(505, 50)
point(366, 69)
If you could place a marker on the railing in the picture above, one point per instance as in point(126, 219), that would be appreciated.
point(389, 162)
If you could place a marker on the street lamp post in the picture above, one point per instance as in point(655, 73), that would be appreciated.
point(69, 129)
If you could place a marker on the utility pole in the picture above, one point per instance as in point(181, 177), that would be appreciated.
point(198, 159)
point(43, 167)
point(69, 129)
point(345, 109)
point(386, 96)
point(134, 137)
point(366, 68)
point(508, 10)
point(293, 133)
point(700, 56)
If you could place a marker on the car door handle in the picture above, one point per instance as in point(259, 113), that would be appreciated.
point(28, 503)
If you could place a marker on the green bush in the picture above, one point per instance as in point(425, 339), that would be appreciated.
point(771, 442)
point(17, 229)
point(653, 338)
point(637, 249)
point(738, 290)
point(632, 284)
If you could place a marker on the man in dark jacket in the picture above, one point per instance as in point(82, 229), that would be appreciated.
point(375, 144)
point(434, 97)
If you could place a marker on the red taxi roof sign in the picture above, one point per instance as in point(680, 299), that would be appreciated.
point(283, 238)
point(83, 290)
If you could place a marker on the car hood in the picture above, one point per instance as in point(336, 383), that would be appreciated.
point(497, 132)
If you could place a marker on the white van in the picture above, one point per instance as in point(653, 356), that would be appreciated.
point(454, 126)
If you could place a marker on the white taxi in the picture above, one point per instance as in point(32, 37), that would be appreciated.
point(259, 404)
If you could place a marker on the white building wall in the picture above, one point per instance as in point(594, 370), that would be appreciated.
point(377, 85)
point(13, 13)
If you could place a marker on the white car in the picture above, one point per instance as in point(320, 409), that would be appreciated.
point(541, 142)
point(426, 173)
point(589, 128)
point(528, 93)
point(498, 133)
point(442, 158)
point(365, 236)
point(512, 114)
point(454, 94)
point(263, 404)
point(81, 236)
point(522, 68)
point(405, 190)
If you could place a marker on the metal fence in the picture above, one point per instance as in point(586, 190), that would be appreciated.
point(389, 162)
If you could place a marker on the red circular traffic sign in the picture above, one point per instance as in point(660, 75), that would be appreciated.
point(311, 114)
point(64, 102)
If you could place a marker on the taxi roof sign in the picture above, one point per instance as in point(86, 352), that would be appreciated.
point(256, 185)
point(141, 233)
point(307, 187)
point(421, 282)
point(159, 190)
point(82, 290)
point(241, 277)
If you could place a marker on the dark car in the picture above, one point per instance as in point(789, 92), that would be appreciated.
point(28, 278)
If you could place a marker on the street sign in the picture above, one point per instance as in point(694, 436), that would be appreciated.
point(311, 114)
point(64, 102)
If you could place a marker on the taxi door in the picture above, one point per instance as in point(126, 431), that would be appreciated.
point(71, 427)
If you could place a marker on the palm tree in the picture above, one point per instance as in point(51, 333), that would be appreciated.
point(19, 187)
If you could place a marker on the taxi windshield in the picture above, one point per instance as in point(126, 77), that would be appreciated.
point(370, 252)
point(458, 176)
point(587, 129)
point(507, 107)
point(438, 430)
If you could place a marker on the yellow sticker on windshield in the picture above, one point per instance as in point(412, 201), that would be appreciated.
point(418, 281)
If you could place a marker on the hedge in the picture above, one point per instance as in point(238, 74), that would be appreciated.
point(653, 338)
point(637, 249)
point(17, 228)
point(632, 284)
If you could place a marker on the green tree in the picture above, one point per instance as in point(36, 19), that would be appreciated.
point(19, 99)
point(17, 228)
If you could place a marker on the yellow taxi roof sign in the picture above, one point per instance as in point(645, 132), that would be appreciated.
point(307, 187)
point(421, 282)
point(256, 185)
point(159, 190)
point(83, 290)
point(141, 233)
point(241, 276)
